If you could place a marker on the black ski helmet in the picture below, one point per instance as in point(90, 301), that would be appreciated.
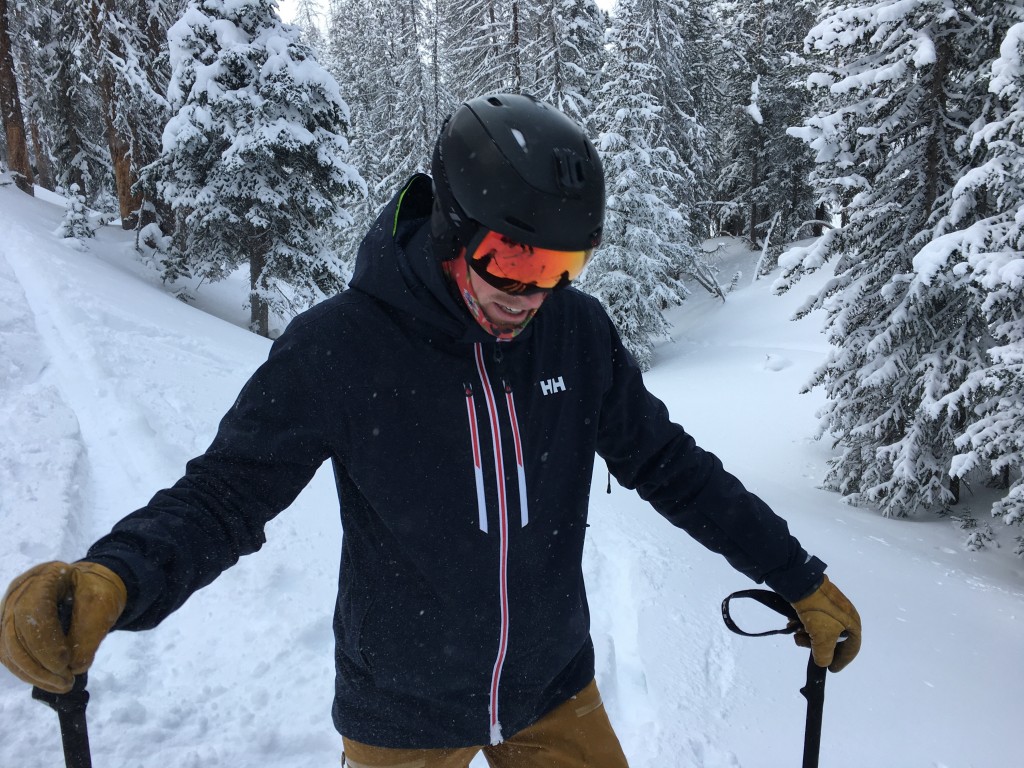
point(515, 165)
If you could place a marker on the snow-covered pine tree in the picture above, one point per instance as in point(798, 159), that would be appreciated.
point(127, 53)
point(678, 51)
point(645, 236)
point(476, 45)
point(564, 54)
point(762, 172)
point(384, 53)
point(889, 137)
point(988, 237)
point(309, 18)
point(75, 225)
point(64, 106)
point(441, 102)
point(408, 121)
point(358, 56)
point(253, 158)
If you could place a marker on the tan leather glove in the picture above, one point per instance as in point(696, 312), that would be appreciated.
point(825, 614)
point(33, 644)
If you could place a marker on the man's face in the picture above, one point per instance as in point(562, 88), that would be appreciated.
point(505, 310)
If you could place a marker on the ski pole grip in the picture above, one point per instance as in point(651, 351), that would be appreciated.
point(70, 707)
point(77, 698)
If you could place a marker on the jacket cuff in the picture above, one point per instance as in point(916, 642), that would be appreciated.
point(798, 582)
point(127, 576)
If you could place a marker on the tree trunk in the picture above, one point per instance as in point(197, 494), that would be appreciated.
point(819, 214)
point(43, 166)
point(517, 72)
point(120, 146)
point(755, 180)
point(129, 203)
point(10, 112)
point(259, 312)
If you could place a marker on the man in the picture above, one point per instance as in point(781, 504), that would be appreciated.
point(461, 390)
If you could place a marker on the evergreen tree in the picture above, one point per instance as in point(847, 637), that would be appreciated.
point(476, 47)
point(564, 54)
point(646, 240)
point(889, 139)
point(253, 158)
point(763, 178)
point(409, 124)
point(75, 225)
point(357, 57)
point(677, 30)
point(384, 53)
point(122, 45)
point(308, 18)
point(987, 236)
point(65, 108)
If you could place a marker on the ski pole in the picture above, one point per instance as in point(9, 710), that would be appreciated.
point(814, 688)
point(70, 708)
point(814, 692)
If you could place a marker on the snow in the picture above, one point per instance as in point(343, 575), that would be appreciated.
point(108, 385)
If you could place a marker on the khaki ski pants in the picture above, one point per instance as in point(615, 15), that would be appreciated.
point(576, 734)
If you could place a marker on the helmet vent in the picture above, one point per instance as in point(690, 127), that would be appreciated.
point(520, 139)
point(494, 101)
point(519, 224)
point(571, 172)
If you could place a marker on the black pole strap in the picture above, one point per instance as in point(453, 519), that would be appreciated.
point(768, 599)
point(70, 707)
point(814, 688)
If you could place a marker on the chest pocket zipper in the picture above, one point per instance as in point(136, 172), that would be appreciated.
point(524, 515)
point(478, 468)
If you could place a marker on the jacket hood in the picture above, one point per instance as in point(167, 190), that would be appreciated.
point(398, 265)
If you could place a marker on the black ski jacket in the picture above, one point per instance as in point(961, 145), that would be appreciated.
point(463, 467)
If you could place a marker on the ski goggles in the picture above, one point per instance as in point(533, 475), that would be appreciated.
point(523, 269)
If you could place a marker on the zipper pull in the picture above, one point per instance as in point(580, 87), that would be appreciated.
point(499, 356)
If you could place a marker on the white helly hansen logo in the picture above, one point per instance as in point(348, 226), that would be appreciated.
point(551, 386)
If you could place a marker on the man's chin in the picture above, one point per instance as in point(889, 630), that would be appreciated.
point(506, 326)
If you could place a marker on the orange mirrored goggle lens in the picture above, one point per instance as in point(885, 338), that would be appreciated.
point(518, 268)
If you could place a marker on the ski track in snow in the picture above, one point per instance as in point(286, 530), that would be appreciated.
point(52, 449)
point(662, 666)
point(103, 436)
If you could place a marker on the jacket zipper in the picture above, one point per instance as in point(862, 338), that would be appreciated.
point(491, 403)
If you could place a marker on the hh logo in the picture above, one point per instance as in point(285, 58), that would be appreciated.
point(550, 386)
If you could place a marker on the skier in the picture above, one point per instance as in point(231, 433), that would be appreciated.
point(461, 389)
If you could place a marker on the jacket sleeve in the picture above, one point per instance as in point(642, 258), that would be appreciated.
point(647, 452)
point(266, 450)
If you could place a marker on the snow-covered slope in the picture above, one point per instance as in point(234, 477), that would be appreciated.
point(108, 385)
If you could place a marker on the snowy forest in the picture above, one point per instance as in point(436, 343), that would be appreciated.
point(880, 141)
